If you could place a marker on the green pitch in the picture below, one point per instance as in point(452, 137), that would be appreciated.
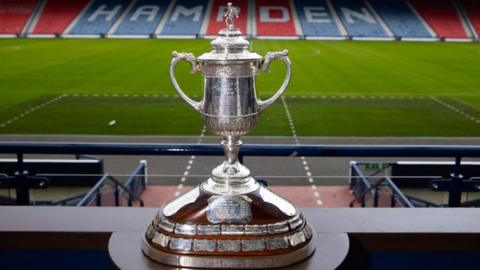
point(338, 88)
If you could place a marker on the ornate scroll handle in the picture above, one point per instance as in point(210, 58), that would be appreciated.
point(263, 104)
point(177, 57)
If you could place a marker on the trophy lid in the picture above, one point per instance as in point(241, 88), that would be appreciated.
point(230, 45)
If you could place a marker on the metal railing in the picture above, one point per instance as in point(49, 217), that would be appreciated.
point(137, 181)
point(456, 152)
point(363, 189)
point(97, 194)
point(368, 183)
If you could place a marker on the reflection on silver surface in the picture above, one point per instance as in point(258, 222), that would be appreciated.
point(186, 229)
point(204, 245)
point(285, 206)
point(228, 245)
point(233, 229)
point(180, 244)
point(150, 231)
point(166, 225)
point(256, 229)
point(295, 222)
point(161, 239)
point(307, 231)
point(208, 229)
point(277, 243)
point(296, 238)
point(253, 245)
point(175, 205)
point(279, 227)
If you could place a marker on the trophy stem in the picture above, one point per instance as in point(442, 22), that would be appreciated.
point(230, 177)
point(231, 147)
point(231, 167)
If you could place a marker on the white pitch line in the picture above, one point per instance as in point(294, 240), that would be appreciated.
point(30, 110)
point(189, 165)
point(356, 97)
point(457, 110)
point(304, 160)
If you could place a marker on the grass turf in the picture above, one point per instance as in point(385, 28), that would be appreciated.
point(33, 71)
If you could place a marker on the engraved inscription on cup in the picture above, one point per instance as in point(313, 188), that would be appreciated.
point(229, 107)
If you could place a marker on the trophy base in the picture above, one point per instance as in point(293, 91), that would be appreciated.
point(230, 262)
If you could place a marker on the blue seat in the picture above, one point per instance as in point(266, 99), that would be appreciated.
point(400, 18)
point(142, 18)
point(316, 18)
point(358, 19)
point(99, 17)
point(186, 18)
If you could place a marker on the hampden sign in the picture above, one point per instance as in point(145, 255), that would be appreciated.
point(267, 14)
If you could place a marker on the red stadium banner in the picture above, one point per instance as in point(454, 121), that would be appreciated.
point(274, 18)
point(217, 22)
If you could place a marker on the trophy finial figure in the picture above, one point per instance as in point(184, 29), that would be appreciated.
point(231, 13)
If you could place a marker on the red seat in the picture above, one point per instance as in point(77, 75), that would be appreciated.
point(57, 15)
point(442, 17)
point(473, 11)
point(14, 14)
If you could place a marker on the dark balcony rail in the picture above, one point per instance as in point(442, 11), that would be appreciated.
point(279, 150)
point(456, 152)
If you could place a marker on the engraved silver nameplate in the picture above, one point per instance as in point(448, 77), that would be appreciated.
point(229, 209)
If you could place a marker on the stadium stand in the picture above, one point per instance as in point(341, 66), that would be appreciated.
point(216, 21)
point(274, 18)
point(14, 15)
point(472, 8)
point(359, 19)
point(186, 18)
point(99, 17)
point(316, 19)
point(401, 19)
point(442, 16)
point(57, 15)
point(142, 18)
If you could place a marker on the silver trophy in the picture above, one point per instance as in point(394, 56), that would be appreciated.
point(229, 221)
point(230, 107)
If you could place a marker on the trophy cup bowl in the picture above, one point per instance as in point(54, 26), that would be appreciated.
point(229, 221)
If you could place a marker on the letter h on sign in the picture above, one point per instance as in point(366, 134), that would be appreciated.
point(101, 11)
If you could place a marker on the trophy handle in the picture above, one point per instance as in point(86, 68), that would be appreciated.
point(283, 55)
point(177, 57)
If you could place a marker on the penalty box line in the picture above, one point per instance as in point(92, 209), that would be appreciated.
point(316, 194)
point(456, 109)
point(379, 97)
point(189, 165)
point(31, 110)
point(130, 95)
